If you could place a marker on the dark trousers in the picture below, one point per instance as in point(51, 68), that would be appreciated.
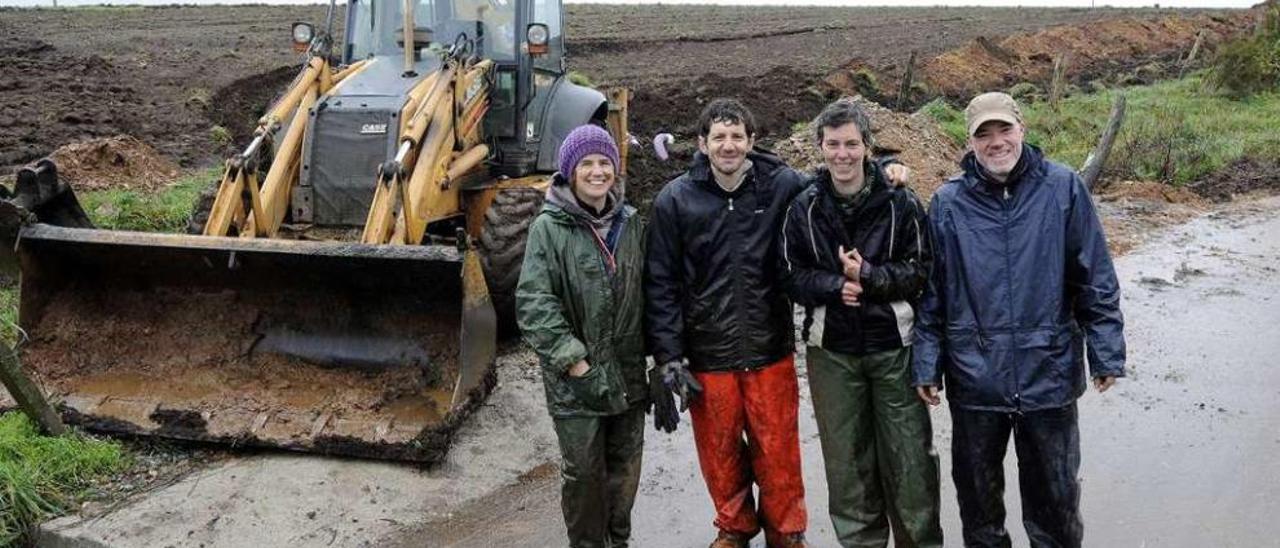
point(1048, 447)
point(600, 474)
point(877, 446)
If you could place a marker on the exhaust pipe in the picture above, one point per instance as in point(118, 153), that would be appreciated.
point(409, 52)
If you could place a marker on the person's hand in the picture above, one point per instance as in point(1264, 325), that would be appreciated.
point(662, 403)
point(678, 379)
point(849, 293)
point(897, 174)
point(851, 263)
point(1103, 383)
point(928, 394)
point(579, 369)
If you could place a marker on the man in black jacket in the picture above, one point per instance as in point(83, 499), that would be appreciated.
point(856, 255)
point(713, 300)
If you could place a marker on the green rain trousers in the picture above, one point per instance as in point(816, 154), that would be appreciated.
point(877, 446)
point(601, 473)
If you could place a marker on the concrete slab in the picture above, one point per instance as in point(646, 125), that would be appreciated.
point(279, 499)
point(1179, 454)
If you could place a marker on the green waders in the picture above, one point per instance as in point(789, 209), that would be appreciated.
point(877, 445)
point(600, 475)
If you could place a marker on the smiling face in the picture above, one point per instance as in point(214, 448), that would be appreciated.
point(844, 153)
point(726, 144)
point(998, 145)
point(593, 177)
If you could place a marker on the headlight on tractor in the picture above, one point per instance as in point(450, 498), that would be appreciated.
point(538, 36)
point(302, 33)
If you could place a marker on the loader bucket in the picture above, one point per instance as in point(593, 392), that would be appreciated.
point(372, 351)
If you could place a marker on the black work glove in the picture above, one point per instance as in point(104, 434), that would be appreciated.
point(678, 379)
point(662, 403)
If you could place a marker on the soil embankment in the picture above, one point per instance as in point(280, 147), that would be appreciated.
point(183, 79)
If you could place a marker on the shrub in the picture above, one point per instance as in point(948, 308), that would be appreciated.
point(950, 118)
point(1157, 144)
point(1250, 65)
point(1025, 92)
point(580, 79)
point(221, 136)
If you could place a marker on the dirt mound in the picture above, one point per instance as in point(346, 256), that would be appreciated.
point(916, 139)
point(1133, 211)
point(114, 162)
point(238, 106)
point(1151, 191)
point(1243, 176)
point(985, 64)
point(47, 99)
point(777, 99)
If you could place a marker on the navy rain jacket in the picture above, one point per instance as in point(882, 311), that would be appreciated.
point(1021, 279)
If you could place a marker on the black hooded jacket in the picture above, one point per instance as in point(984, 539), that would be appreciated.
point(711, 286)
point(889, 230)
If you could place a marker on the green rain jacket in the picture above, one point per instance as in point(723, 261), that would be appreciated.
point(569, 308)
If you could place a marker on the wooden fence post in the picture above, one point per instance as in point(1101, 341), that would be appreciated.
point(619, 100)
point(1191, 56)
point(1091, 171)
point(904, 91)
point(29, 397)
point(1059, 82)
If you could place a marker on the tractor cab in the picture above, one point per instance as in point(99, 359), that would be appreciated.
point(532, 105)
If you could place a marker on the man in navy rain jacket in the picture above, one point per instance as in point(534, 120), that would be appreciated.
point(1022, 284)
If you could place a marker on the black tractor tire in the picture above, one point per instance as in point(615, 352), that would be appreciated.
point(201, 208)
point(501, 246)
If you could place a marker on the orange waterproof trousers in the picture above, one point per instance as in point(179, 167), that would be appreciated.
point(746, 426)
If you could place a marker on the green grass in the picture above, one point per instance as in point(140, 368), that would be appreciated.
point(951, 119)
point(581, 79)
point(8, 316)
point(1175, 132)
point(41, 476)
point(165, 210)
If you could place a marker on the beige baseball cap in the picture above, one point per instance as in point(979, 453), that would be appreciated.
point(991, 106)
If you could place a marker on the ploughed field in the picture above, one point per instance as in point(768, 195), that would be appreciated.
point(643, 45)
point(177, 77)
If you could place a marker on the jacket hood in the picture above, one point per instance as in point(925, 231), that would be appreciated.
point(560, 194)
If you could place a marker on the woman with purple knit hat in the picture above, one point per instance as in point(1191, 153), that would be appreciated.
point(579, 305)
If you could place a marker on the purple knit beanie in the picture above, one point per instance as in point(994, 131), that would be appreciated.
point(583, 141)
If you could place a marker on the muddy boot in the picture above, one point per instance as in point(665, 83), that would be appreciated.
point(784, 540)
point(730, 540)
point(794, 540)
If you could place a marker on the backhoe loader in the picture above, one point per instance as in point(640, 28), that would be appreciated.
point(338, 291)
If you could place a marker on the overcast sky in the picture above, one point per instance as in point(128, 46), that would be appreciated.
point(1056, 3)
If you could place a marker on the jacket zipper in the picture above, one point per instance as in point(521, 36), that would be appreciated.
point(737, 280)
point(1004, 207)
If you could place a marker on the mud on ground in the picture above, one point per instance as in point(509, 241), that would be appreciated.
point(73, 74)
point(121, 162)
point(193, 369)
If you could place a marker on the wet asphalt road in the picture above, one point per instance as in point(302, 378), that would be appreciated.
point(1181, 453)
